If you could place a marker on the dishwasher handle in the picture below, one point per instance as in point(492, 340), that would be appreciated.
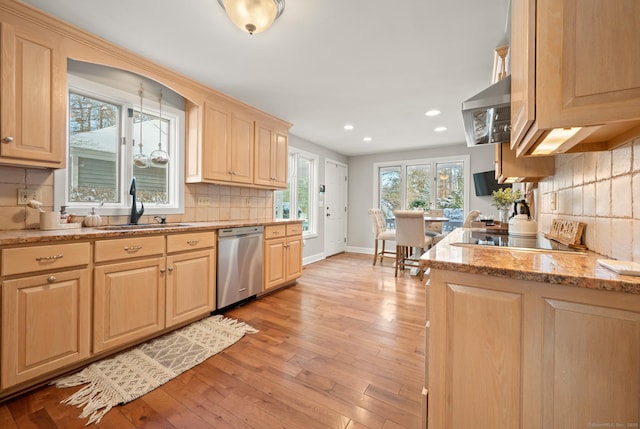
point(240, 232)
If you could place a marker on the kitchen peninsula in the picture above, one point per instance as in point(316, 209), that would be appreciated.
point(529, 339)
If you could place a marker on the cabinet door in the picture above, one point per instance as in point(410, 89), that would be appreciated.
point(263, 146)
point(275, 263)
point(271, 157)
point(587, 62)
point(32, 97)
point(591, 368)
point(280, 159)
point(523, 62)
point(190, 285)
point(45, 324)
point(242, 142)
point(216, 142)
point(294, 258)
point(475, 357)
point(129, 302)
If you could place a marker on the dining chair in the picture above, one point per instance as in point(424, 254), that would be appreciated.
point(434, 229)
point(470, 216)
point(410, 234)
point(381, 233)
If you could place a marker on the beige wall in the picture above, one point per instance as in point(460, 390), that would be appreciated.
point(226, 202)
point(601, 189)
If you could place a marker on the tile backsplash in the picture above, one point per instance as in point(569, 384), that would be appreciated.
point(224, 202)
point(601, 189)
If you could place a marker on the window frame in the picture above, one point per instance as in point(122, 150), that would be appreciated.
point(292, 186)
point(403, 164)
point(127, 100)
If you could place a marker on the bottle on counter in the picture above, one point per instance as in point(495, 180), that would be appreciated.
point(64, 217)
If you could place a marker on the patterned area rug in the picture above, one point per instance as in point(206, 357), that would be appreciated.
point(131, 374)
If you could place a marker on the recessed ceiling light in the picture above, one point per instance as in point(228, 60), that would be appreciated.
point(440, 129)
point(432, 112)
point(367, 139)
point(348, 127)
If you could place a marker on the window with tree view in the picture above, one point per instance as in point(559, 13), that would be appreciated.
point(424, 185)
point(301, 182)
point(107, 129)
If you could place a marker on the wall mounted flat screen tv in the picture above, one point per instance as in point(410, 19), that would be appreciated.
point(486, 183)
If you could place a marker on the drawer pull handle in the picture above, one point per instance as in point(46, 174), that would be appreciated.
point(193, 242)
point(51, 279)
point(49, 258)
point(132, 249)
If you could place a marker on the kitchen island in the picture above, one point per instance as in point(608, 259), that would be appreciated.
point(529, 339)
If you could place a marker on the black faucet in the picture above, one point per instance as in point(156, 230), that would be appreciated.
point(135, 214)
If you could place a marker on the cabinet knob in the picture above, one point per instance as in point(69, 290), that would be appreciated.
point(51, 279)
point(162, 271)
point(170, 269)
point(7, 139)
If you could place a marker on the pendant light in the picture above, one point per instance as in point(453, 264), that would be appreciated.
point(140, 160)
point(253, 16)
point(159, 157)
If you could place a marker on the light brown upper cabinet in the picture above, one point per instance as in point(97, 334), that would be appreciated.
point(511, 169)
point(574, 64)
point(32, 96)
point(271, 154)
point(240, 145)
point(228, 137)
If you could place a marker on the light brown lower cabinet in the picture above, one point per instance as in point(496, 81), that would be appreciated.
point(282, 255)
point(191, 276)
point(46, 310)
point(128, 303)
point(46, 324)
point(139, 291)
point(522, 354)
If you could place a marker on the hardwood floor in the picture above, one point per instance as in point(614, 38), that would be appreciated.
point(344, 348)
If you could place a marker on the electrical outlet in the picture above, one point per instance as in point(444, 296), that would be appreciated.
point(203, 201)
point(26, 195)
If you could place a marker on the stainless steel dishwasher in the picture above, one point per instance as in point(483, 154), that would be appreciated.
point(239, 264)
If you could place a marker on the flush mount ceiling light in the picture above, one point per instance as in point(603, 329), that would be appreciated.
point(348, 127)
point(432, 112)
point(253, 16)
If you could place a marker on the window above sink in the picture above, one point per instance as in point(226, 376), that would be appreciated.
point(112, 116)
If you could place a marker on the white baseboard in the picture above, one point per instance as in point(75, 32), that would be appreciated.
point(313, 258)
point(365, 250)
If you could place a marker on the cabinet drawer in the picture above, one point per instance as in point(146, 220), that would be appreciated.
point(294, 229)
point(37, 258)
point(123, 248)
point(191, 241)
point(275, 231)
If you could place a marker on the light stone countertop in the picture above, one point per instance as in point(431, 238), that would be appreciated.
point(35, 236)
point(562, 268)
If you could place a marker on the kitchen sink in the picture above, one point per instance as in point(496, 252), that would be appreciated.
point(130, 226)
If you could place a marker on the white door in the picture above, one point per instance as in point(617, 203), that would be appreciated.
point(335, 208)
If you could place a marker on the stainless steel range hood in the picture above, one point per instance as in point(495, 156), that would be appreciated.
point(487, 115)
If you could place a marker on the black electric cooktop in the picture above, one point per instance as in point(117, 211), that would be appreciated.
point(539, 243)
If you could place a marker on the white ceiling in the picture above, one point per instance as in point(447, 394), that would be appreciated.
point(379, 65)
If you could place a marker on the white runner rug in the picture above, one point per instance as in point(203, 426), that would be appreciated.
point(129, 375)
